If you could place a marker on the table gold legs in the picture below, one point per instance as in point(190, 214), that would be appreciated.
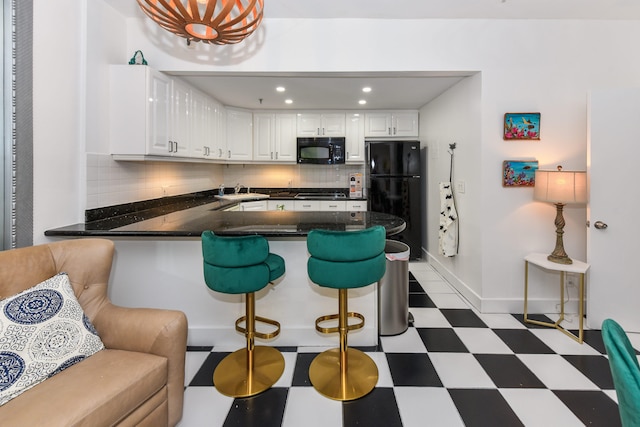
point(556, 324)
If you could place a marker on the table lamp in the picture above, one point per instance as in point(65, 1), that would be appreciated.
point(560, 188)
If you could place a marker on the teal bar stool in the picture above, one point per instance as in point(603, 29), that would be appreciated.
point(243, 265)
point(625, 371)
point(343, 260)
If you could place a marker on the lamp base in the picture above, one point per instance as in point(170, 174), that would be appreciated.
point(560, 259)
point(559, 255)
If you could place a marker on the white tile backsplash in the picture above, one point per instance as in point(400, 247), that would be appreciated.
point(296, 176)
point(111, 183)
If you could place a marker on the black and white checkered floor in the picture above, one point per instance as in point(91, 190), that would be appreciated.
point(453, 367)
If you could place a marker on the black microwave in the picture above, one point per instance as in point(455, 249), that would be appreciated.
point(321, 150)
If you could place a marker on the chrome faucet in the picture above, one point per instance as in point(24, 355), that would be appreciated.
point(238, 187)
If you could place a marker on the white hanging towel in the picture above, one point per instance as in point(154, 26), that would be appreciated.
point(448, 237)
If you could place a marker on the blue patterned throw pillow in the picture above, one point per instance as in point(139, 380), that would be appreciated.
point(43, 331)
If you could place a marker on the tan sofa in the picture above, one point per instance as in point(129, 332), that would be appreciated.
point(137, 380)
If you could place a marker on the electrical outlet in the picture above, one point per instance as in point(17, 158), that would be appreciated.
point(460, 187)
point(571, 280)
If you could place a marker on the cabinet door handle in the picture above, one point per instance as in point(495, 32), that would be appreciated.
point(319, 131)
point(389, 131)
point(229, 153)
point(176, 149)
point(272, 155)
point(394, 131)
point(220, 150)
point(276, 155)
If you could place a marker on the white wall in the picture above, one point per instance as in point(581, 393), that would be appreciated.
point(545, 66)
point(58, 114)
point(454, 117)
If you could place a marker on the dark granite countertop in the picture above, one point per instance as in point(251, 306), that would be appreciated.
point(190, 215)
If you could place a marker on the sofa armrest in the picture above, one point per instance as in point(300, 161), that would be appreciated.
point(146, 330)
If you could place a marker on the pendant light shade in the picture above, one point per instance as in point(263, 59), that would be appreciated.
point(209, 21)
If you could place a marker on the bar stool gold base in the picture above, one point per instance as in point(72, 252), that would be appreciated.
point(360, 378)
point(232, 377)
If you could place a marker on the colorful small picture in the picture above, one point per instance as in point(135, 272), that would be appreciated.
point(521, 126)
point(516, 173)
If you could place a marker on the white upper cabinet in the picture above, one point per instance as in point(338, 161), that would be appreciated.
point(152, 114)
point(204, 123)
point(239, 134)
point(181, 125)
point(354, 140)
point(219, 150)
point(286, 137)
point(316, 124)
point(274, 137)
point(140, 111)
point(264, 136)
point(391, 123)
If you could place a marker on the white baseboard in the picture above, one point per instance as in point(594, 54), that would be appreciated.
point(499, 305)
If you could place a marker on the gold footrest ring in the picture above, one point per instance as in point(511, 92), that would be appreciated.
point(360, 379)
point(331, 330)
point(232, 378)
point(262, 335)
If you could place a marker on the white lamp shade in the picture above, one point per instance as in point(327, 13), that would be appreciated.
point(560, 186)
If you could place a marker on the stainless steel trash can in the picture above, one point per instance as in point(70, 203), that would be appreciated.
point(393, 290)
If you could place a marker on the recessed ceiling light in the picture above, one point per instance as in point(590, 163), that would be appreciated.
point(366, 89)
point(280, 89)
point(362, 102)
point(288, 101)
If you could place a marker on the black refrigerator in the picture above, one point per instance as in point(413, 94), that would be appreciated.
point(394, 187)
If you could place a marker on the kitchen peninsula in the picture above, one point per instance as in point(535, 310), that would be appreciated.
point(159, 264)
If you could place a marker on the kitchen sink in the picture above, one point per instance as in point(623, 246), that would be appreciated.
point(244, 196)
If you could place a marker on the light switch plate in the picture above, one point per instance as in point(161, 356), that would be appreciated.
point(460, 187)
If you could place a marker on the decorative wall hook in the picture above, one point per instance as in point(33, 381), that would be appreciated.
point(135, 61)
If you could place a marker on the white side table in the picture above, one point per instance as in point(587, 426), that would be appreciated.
point(578, 267)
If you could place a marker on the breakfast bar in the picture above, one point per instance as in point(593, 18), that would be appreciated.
point(158, 263)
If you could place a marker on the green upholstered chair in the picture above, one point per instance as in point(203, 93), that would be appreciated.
point(343, 260)
point(624, 370)
point(243, 265)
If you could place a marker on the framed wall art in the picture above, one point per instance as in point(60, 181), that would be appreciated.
point(519, 126)
point(519, 173)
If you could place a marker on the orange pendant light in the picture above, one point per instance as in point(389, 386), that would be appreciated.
point(209, 21)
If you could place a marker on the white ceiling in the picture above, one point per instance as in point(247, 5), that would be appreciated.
point(389, 91)
point(441, 9)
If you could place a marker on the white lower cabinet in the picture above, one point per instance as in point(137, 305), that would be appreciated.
point(356, 205)
point(301, 205)
point(333, 205)
point(306, 205)
point(280, 205)
point(257, 205)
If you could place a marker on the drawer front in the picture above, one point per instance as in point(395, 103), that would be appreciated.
point(333, 205)
point(280, 205)
point(356, 205)
point(307, 205)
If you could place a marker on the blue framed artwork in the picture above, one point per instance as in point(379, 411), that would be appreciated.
point(521, 126)
point(517, 173)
